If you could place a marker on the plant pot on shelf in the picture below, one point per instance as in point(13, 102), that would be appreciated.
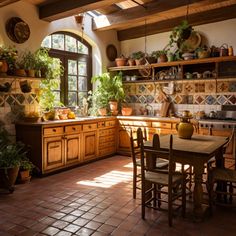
point(162, 58)
point(140, 61)
point(121, 61)
point(31, 73)
point(3, 67)
point(20, 72)
point(131, 62)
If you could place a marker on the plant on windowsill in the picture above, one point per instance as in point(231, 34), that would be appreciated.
point(112, 90)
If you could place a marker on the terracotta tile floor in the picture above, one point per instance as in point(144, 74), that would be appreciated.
point(96, 199)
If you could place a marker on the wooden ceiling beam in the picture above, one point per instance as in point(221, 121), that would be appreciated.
point(7, 2)
point(61, 8)
point(131, 15)
point(200, 18)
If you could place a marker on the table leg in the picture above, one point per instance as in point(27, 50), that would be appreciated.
point(198, 191)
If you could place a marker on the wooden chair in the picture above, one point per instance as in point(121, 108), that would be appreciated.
point(136, 155)
point(224, 177)
point(159, 181)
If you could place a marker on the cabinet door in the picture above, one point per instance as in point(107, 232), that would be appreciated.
point(53, 153)
point(124, 140)
point(72, 148)
point(90, 145)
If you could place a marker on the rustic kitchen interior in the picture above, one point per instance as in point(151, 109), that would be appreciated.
point(170, 65)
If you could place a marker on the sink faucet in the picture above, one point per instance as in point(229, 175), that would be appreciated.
point(149, 109)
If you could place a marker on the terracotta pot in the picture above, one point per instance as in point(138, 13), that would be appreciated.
point(3, 67)
point(131, 62)
point(31, 73)
point(139, 62)
point(8, 177)
point(121, 61)
point(20, 72)
point(162, 58)
point(102, 111)
point(24, 176)
point(126, 111)
point(113, 105)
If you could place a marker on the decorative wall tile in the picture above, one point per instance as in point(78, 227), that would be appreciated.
point(1, 101)
point(19, 98)
point(178, 87)
point(141, 89)
point(232, 99)
point(10, 100)
point(222, 86)
point(150, 88)
point(178, 99)
point(210, 86)
point(188, 88)
point(199, 87)
point(149, 99)
point(142, 99)
point(232, 86)
point(199, 99)
point(222, 100)
point(210, 100)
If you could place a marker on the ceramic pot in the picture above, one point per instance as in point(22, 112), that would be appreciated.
point(131, 62)
point(126, 111)
point(162, 58)
point(113, 105)
point(102, 111)
point(121, 61)
point(31, 73)
point(20, 72)
point(3, 67)
point(8, 177)
point(185, 128)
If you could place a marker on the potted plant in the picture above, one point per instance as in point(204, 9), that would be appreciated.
point(138, 57)
point(121, 61)
point(160, 55)
point(126, 110)
point(111, 89)
point(8, 56)
point(11, 155)
point(29, 62)
point(26, 167)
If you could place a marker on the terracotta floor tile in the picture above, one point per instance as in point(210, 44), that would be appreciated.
point(61, 204)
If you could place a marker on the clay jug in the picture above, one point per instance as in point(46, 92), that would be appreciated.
point(185, 127)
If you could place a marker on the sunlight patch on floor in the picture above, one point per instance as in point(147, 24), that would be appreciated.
point(109, 179)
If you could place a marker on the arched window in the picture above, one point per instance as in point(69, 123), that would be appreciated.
point(76, 57)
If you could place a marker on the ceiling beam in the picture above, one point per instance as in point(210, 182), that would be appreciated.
point(131, 15)
point(7, 2)
point(61, 8)
point(200, 18)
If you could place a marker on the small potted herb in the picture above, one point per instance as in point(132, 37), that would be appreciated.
point(26, 167)
point(138, 57)
point(160, 55)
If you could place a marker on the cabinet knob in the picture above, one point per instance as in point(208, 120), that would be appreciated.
point(74, 128)
point(90, 126)
point(54, 130)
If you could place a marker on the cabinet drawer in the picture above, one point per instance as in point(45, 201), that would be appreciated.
point(53, 131)
point(101, 124)
point(106, 145)
point(106, 151)
point(142, 123)
point(125, 122)
point(111, 123)
point(88, 127)
point(73, 128)
point(161, 125)
point(106, 139)
point(106, 132)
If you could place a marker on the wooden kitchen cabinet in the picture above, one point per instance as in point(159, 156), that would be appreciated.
point(72, 149)
point(53, 153)
point(89, 145)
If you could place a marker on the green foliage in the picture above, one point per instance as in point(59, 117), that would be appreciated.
point(108, 88)
point(53, 70)
point(9, 54)
point(11, 153)
point(26, 164)
point(29, 61)
point(157, 53)
point(137, 55)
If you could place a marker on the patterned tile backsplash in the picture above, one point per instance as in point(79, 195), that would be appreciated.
point(14, 102)
point(196, 95)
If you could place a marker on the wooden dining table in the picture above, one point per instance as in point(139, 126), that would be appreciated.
point(195, 152)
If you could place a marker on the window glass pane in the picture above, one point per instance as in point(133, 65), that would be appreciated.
point(82, 68)
point(72, 98)
point(47, 42)
point(72, 82)
point(72, 67)
point(82, 48)
point(58, 41)
point(82, 84)
point(57, 96)
point(71, 44)
point(81, 95)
